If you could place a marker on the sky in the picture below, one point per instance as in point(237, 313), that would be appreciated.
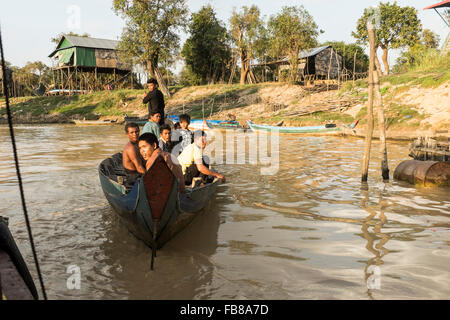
point(28, 26)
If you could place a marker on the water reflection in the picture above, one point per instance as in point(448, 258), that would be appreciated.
point(183, 267)
point(378, 249)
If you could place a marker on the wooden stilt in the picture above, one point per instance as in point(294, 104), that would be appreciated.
point(76, 78)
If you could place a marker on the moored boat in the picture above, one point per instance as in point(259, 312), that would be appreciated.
point(328, 129)
point(199, 123)
point(137, 120)
point(153, 210)
point(194, 125)
point(94, 122)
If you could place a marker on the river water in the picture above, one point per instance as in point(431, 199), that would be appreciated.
point(311, 231)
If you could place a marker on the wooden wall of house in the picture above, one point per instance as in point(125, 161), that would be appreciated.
point(106, 58)
point(109, 59)
point(322, 63)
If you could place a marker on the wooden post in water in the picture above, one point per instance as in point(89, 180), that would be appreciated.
point(203, 108)
point(381, 124)
point(368, 140)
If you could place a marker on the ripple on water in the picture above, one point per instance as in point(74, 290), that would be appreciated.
point(309, 231)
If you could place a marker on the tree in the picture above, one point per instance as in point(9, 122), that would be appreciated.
point(292, 31)
point(7, 63)
point(247, 31)
point(58, 38)
point(347, 51)
point(207, 50)
point(150, 32)
point(426, 47)
point(37, 68)
point(189, 78)
point(430, 39)
point(399, 27)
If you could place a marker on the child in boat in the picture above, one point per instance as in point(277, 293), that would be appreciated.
point(149, 150)
point(131, 159)
point(152, 125)
point(193, 163)
point(165, 143)
point(183, 135)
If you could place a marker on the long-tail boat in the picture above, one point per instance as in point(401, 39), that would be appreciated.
point(328, 129)
point(153, 210)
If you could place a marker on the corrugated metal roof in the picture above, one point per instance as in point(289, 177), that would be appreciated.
point(309, 53)
point(92, 42)
point(312, 52)
point(87, 42)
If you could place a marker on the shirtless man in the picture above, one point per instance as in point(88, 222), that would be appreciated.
point(131, 159)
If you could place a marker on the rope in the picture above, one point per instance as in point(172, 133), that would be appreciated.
point(16, 159)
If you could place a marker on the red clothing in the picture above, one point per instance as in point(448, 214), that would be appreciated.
point(173, 165)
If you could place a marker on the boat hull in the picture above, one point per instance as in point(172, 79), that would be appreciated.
point(93, 123)
point(16, 282)
point(135, 211)
point(314, 130)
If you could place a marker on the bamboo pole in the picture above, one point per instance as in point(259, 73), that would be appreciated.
point(329, 67)
point(203, 109)
point(381, 125)
point(212, 109)
point(368, 139)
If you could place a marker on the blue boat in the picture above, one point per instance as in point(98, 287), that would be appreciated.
point(213, 123)
point(328, 129)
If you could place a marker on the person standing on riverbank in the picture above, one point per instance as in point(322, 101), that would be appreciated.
point(155, 99)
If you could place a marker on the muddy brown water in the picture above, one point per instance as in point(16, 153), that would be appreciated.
point(311, 231)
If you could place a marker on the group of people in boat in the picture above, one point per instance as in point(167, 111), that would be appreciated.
point(181, 148)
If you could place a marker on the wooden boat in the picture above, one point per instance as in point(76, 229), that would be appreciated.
point(154, 211)
point(231, 124)
point(138, 121)
point(16, 282)
point(324, 129)
point(94, 122)
point(200, 125)
point(197, 123)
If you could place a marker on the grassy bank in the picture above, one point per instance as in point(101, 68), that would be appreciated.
point(411, 101)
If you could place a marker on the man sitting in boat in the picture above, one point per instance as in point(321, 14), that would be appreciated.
point(193, 163)
point(149, 150)
point(152, 125)
point(183, 135)
point(165, 143)
point(131, 159)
